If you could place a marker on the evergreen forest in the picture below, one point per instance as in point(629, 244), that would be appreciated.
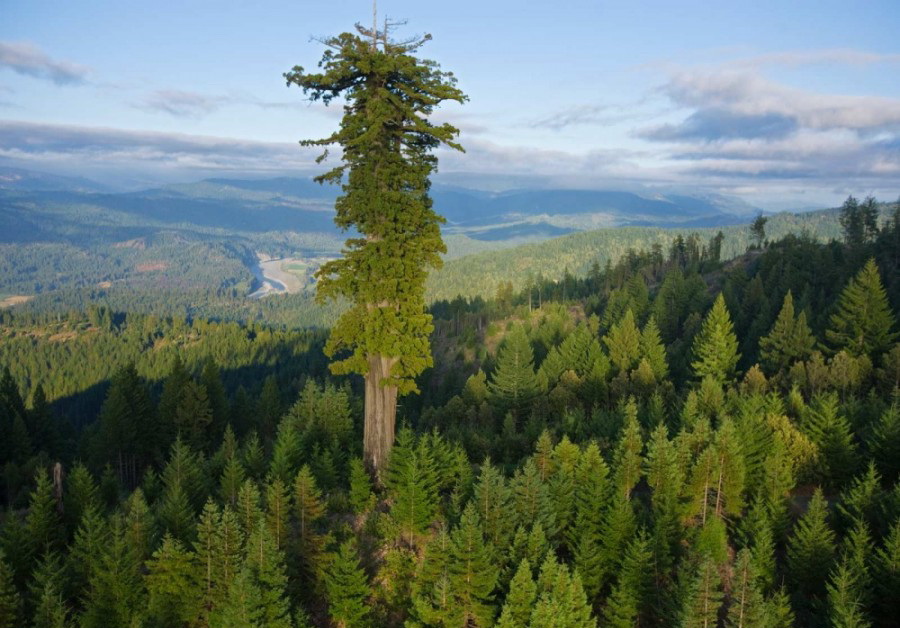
point(675, 438)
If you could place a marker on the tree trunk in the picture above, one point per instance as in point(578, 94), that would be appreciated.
point(381, 414)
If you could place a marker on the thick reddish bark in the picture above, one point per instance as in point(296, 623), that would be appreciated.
point(381, 414)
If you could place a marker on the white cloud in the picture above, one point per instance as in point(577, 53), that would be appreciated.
point(27, 59)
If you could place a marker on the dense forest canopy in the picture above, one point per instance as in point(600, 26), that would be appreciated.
point(671, 439)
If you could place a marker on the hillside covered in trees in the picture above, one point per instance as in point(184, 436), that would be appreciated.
point(668, 440)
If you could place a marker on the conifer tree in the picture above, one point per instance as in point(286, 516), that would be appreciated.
point(115, 596)
point(473, 575)
point(172, 584)
point(386, 140)
point(493, 501)
point(361, 498)
point(624, 343)
point(748, 607)
point(704, 599)
point(628, 597)
point(844, 607)
point(715, 347)
point(91, 539)
point(347, 589)
point(885, 443)
point(211, 380)
point(278, 507)
point(531, 499)
point(862, 323)
point(248, 506)
point(790, 339)
point(561, 599)
point(653, 350)
point(81, 493)
point(308, 510)
point(886, 572)
point(232, 479)
point(811, 550)
point(193, 415)
point(627, 460)
point(411, 483)
point(432, 597)
point(10, 601)
point(513, 384)
point(43, 520)
point(265, 564)
point(831, 433)
point(520, 599)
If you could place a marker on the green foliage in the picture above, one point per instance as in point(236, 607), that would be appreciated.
point(862, 322)
point(811, 551)
point(472, 573)
point(789, 340)
point(520, 600)
point(513, 385)
point(347, 589)
point(10, 601)
point(385, 197)
point(715, 348)
point(411, 484)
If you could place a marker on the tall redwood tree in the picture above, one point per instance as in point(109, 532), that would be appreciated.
point(387, 141)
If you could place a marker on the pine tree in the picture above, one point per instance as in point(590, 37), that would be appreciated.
point(248, 507)
point(748, 607)
point(886, 572)
point(653, 350)
point(173, 584)
point(811, 550)
point(266, 566)
point(308, 510)
point(561, 599)
point(624, 343)
point(822, 422)
point(193, 415)
point(790, 339)
point(43, 520)
point(513, 384)
point(10, 601)
point(361, 498)
point(473, 575)
point(232, 479)
point(115, 596)
point(386, 141)
point(81, 493)
point(432, 597)
point(211, 380)
point(269, 408)
point(885, 443)
point(412, 485)
point(844, 607)
point(520, 599)
point(531, 499)
point(863, 320)
point(91, 539)
point(278, 507)
point(715, 347)
point(627, 460)
point(626, 602)
point(493, 501)
point(347, 588)
point(701, 607)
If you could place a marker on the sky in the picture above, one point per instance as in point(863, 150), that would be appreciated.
point(782, 104)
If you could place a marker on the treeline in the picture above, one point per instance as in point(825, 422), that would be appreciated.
point(615, 458)
point(480, 274)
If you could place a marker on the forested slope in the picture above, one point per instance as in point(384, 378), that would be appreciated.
point(672, 440)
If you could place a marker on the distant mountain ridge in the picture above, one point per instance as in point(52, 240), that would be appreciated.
point(300, 204)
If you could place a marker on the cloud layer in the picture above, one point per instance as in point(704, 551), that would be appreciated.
point(29, 60)
point(742, 125)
